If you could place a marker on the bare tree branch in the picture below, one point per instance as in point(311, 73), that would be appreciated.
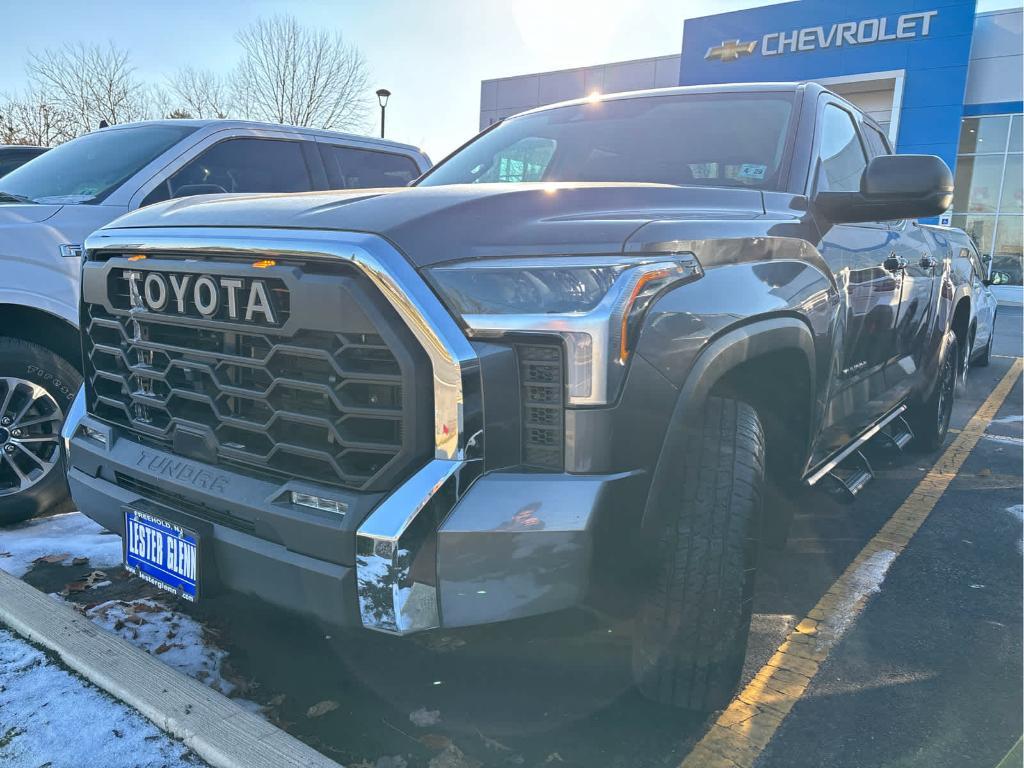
point(35, 119)
point(299, 76)
point(90, 83)
point(199, 93)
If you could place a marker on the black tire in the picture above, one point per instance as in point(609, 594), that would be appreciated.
point(690, 635)
point(930, 419)
point(48, 490)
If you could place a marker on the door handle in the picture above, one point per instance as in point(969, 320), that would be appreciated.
point(895, 263)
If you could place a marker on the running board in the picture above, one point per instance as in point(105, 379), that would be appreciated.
point(836, 459)
point(896, 434)
point(852, 474)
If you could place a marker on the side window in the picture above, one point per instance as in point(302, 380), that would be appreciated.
point(841, 160)
point(239, 165)
point(352, 168)
point(876, 142)
point(972, 255)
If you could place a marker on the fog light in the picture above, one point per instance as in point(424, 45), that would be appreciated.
point(93, 434)
point(316, 502)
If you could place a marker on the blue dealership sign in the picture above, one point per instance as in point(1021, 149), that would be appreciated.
point(923, 46)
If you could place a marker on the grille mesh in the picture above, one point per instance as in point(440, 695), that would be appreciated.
point(321, 406)
point(541, 380)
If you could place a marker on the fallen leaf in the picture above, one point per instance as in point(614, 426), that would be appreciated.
point(494, 744)
point(80, 561)
point(318, 710)
point(424, 718)
point(52, 558)
point(453, 757)
point(986, 472)
point(75, 586)
point(165, 647)
point(434, 741)
point(276, 701)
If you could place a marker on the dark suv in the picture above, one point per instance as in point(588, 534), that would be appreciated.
point(562, 365)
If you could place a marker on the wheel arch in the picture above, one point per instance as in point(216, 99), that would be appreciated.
point(40, 327)
point(736, 364)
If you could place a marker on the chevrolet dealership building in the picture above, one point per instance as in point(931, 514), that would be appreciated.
point(940, 79)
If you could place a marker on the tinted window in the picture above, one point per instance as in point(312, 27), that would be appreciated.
point(87, 169)
point(841, 160)
point(731, 139)
point(349, 168)
point(239, 165)
point(876, 142)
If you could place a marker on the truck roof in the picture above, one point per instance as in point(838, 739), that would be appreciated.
point(232, 123)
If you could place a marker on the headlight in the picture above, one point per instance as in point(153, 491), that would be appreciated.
point(596, 304)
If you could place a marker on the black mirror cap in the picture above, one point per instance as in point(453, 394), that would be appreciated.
point(893, 187)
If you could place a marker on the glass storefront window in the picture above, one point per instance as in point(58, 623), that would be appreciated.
point(988, 200)
point(1013, 185)
point(983, 134)
point(980, 228)
point(1008, 253)
point(978, 181)
point(1015, 130)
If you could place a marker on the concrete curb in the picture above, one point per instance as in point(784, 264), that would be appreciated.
point(216, 728)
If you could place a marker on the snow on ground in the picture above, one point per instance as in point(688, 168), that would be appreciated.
point(71, 535)
point(52, 717)
point(174, 638)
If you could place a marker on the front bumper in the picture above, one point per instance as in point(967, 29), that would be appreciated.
point(512, 545)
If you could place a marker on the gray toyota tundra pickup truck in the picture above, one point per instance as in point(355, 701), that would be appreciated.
point(566, 364)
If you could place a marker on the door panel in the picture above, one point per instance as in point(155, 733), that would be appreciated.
point(872, 296)
point(917, 294)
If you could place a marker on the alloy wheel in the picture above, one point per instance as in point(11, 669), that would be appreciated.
point(30, 422)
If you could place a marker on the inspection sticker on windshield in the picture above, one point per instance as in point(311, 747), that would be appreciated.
point(751, 171)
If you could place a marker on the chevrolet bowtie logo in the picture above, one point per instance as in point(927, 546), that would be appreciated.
point(730, 50)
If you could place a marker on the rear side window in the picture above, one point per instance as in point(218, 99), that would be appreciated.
point(239, 165)
point(841, 160)
point(352, 168)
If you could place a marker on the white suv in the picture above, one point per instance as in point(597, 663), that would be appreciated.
point(49, 205)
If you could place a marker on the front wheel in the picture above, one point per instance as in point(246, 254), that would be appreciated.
point(36, 391)
point(930, 419)
point(690, 634)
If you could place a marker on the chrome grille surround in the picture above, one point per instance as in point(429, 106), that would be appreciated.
point(389, 537)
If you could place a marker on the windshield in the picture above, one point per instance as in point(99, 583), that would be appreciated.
point(87, 169)
point(706, 139)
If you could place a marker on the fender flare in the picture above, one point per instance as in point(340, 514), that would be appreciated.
point(719, 357)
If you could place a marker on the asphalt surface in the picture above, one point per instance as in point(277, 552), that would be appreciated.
point(929, 675)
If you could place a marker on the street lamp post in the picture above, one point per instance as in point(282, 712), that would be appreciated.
point(382, 99)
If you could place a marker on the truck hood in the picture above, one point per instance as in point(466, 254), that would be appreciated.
point(13, 214)
point(435, 224)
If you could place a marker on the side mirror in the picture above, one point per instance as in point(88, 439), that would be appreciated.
point(893, 187)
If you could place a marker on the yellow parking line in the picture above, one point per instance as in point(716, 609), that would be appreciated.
point(746, 726)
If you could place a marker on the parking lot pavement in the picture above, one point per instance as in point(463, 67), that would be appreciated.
point(928, 674)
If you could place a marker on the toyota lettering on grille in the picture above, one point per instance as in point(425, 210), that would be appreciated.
point(231, 298)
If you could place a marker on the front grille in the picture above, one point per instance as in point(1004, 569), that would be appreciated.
point(177, 501)
point(542, 391)
point(330, 406)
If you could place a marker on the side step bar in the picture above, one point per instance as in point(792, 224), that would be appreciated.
point(852, 474)
point(897, 434)
point(826, 467)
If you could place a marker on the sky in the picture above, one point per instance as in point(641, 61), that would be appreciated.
point(431, 54)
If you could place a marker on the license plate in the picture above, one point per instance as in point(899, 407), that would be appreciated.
point(162, 553)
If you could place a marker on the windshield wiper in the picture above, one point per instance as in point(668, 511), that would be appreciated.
point(10, 197)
